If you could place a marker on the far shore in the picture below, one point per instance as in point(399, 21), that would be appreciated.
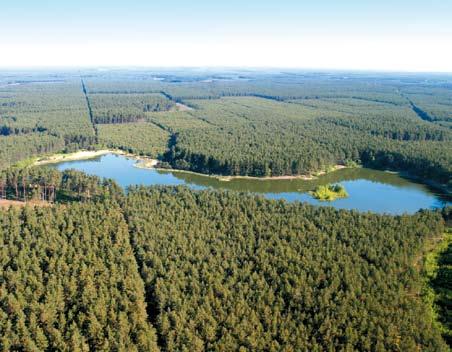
point(258, 178)
point(144, 162)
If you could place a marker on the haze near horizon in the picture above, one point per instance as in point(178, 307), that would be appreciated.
point(389, 36)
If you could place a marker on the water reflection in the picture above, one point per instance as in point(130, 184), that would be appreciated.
point(369, 190)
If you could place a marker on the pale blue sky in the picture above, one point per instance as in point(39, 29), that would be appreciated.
point(385, 35)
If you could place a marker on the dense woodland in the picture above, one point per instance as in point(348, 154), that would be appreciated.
point(240, 123)
point(228, 272)
point(49, 185)
point(123, 108)
point(134, 138)
point(69, 281)
point(40, 117)
point(169, 269)
point(438, 270)
point(251, 136)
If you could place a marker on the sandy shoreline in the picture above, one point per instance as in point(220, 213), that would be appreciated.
point(6, 203)
point(142, 162)
point(286, 177)
point(148, 163)
point(183, 107)
point(263, 178)
point(80, 155)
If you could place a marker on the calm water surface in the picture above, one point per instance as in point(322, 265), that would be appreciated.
point(369, 190)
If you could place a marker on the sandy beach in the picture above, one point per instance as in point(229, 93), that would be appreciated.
point(80, 155)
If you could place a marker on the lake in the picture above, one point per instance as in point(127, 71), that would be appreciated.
point(369, 190)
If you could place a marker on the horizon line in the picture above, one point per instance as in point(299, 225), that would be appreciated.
point(219, 67)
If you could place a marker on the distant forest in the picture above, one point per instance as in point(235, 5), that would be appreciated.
point(257, 124)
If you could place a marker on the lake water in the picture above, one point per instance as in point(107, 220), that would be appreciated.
point(369, 190)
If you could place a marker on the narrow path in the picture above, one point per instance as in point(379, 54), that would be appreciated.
point(181, 106)
point(419, 112)
point(203, 119)
point(90, 112)
point(159, 125)
point(168, 96)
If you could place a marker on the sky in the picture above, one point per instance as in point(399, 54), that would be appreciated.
point(383, 35)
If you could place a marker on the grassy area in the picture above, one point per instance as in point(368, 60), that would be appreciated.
point(329, 192)
point(25, 163)
point(352, 164)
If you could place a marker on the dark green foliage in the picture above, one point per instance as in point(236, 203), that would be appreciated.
point(30, 183)
point(78, 186)
point(123, 108)
point(42, 117)
point(438, 270)
point(228, 272)
point(250, 136)
point(447, 215)
point(16, 148)
point(58, 108)
point(69, 281)
point(47, 184)
point(140, 138)
point(177, 121)
point(434, 104)
point(442, 286)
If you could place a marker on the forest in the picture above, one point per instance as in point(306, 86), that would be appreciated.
point(171, 269)
point(88, 266)
point(268, 138)
point(69, 281)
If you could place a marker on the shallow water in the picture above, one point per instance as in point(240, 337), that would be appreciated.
point(369, 190)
